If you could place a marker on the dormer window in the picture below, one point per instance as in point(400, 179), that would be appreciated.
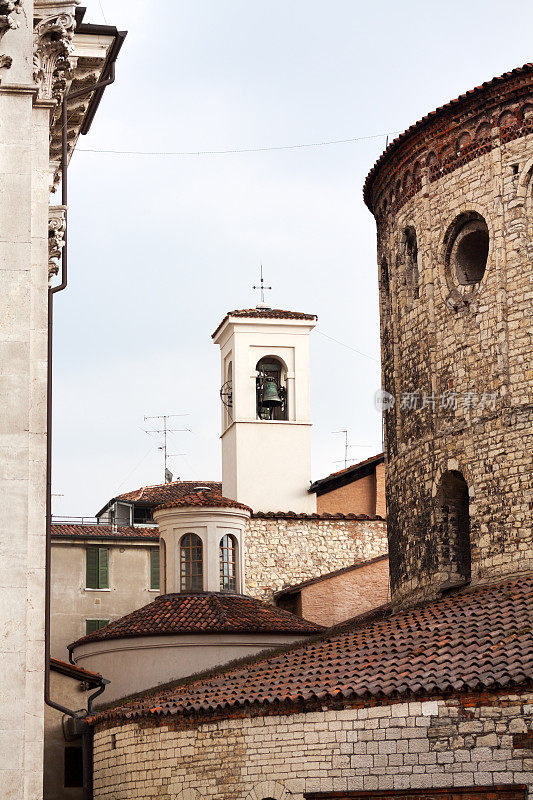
point(191, 563)
point(270, 389)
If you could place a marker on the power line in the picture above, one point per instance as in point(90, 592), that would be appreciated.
point(359, 352)
point(235, 150)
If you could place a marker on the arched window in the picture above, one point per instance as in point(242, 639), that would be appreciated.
point(467, 247)
point(191, 563)
point(271, 391)
point(454, 526)
point(228, 564)
point(411, 261)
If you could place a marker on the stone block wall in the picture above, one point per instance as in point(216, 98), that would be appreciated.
point(282, 550)
point(454, 358)
point(477, 740)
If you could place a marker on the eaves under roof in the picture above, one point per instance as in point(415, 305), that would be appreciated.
point(262, 312)
point(347, 475)
point(202, 612)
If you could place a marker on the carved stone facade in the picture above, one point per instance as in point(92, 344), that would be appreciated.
point(283, 550)
point(56, 241)
point(8, 21)
point(455, 352)
point(52, 55)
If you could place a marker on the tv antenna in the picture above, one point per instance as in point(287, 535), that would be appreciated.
point(346, 448)
point(262, 288)
point(165, 430)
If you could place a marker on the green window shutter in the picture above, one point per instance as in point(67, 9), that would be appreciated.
point(91, 580)
point(92, 625)
point(154, 568)
point(103, 568)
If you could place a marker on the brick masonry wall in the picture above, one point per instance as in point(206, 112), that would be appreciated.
point(281, 552)
point(428, 346)
point(342, 597)
point(476, 741)
point(358, 497)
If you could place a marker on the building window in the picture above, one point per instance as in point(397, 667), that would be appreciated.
point(97, 568)
point(191, 563)
point(92, 625)
point(411, 261)
point(454, 526)
point(270, 389)
point(228, 564)
point(154, 568)
point(73, 767)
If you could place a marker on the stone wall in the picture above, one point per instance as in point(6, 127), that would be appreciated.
point(454, 356)
point(282, 550)
point(477, 740)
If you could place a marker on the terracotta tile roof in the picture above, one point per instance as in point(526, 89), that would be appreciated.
point(265, 313)
point(161, 492)
point(78, 673)
point(166, 491)
point(351, 472)
point(67, 531)
point(428, 118)
point(475, 639)
point(324, 516)
point(296, 587)
point(204, 612)
point(200, 498)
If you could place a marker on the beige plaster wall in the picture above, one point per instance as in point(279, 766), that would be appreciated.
point(134, 664)
point(441, 743)
point(72, 603)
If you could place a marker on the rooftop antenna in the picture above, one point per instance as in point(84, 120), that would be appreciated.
point(262, 288)
point(167, 475)
point(347, 447)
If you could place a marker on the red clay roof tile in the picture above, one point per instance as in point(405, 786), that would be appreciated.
point(264, 313)
point(154, 495)
point(203, 498)
point(477, 638)
point(74, 531)
point(204, 612)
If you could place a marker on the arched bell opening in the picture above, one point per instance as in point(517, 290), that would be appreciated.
point(271, 389)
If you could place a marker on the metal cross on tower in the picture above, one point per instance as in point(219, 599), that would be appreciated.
point(262, 286)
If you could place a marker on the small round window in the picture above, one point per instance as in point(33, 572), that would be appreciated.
point(467, 250)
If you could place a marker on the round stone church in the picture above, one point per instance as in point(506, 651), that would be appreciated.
point(430, 696)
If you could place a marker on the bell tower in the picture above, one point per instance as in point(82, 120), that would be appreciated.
point(266, 422)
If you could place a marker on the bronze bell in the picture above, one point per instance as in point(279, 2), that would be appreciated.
point(271, 398)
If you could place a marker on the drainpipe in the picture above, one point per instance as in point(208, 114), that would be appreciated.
point(51, 292)
point(86, 730)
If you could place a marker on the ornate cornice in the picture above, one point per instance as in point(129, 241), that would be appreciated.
point(52, 55)
point(56, 241)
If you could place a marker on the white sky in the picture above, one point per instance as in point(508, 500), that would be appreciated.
point(162, 246)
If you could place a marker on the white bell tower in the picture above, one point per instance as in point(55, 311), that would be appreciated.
point(266, 422)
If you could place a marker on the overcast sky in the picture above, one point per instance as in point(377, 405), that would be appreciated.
point(162, 246)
